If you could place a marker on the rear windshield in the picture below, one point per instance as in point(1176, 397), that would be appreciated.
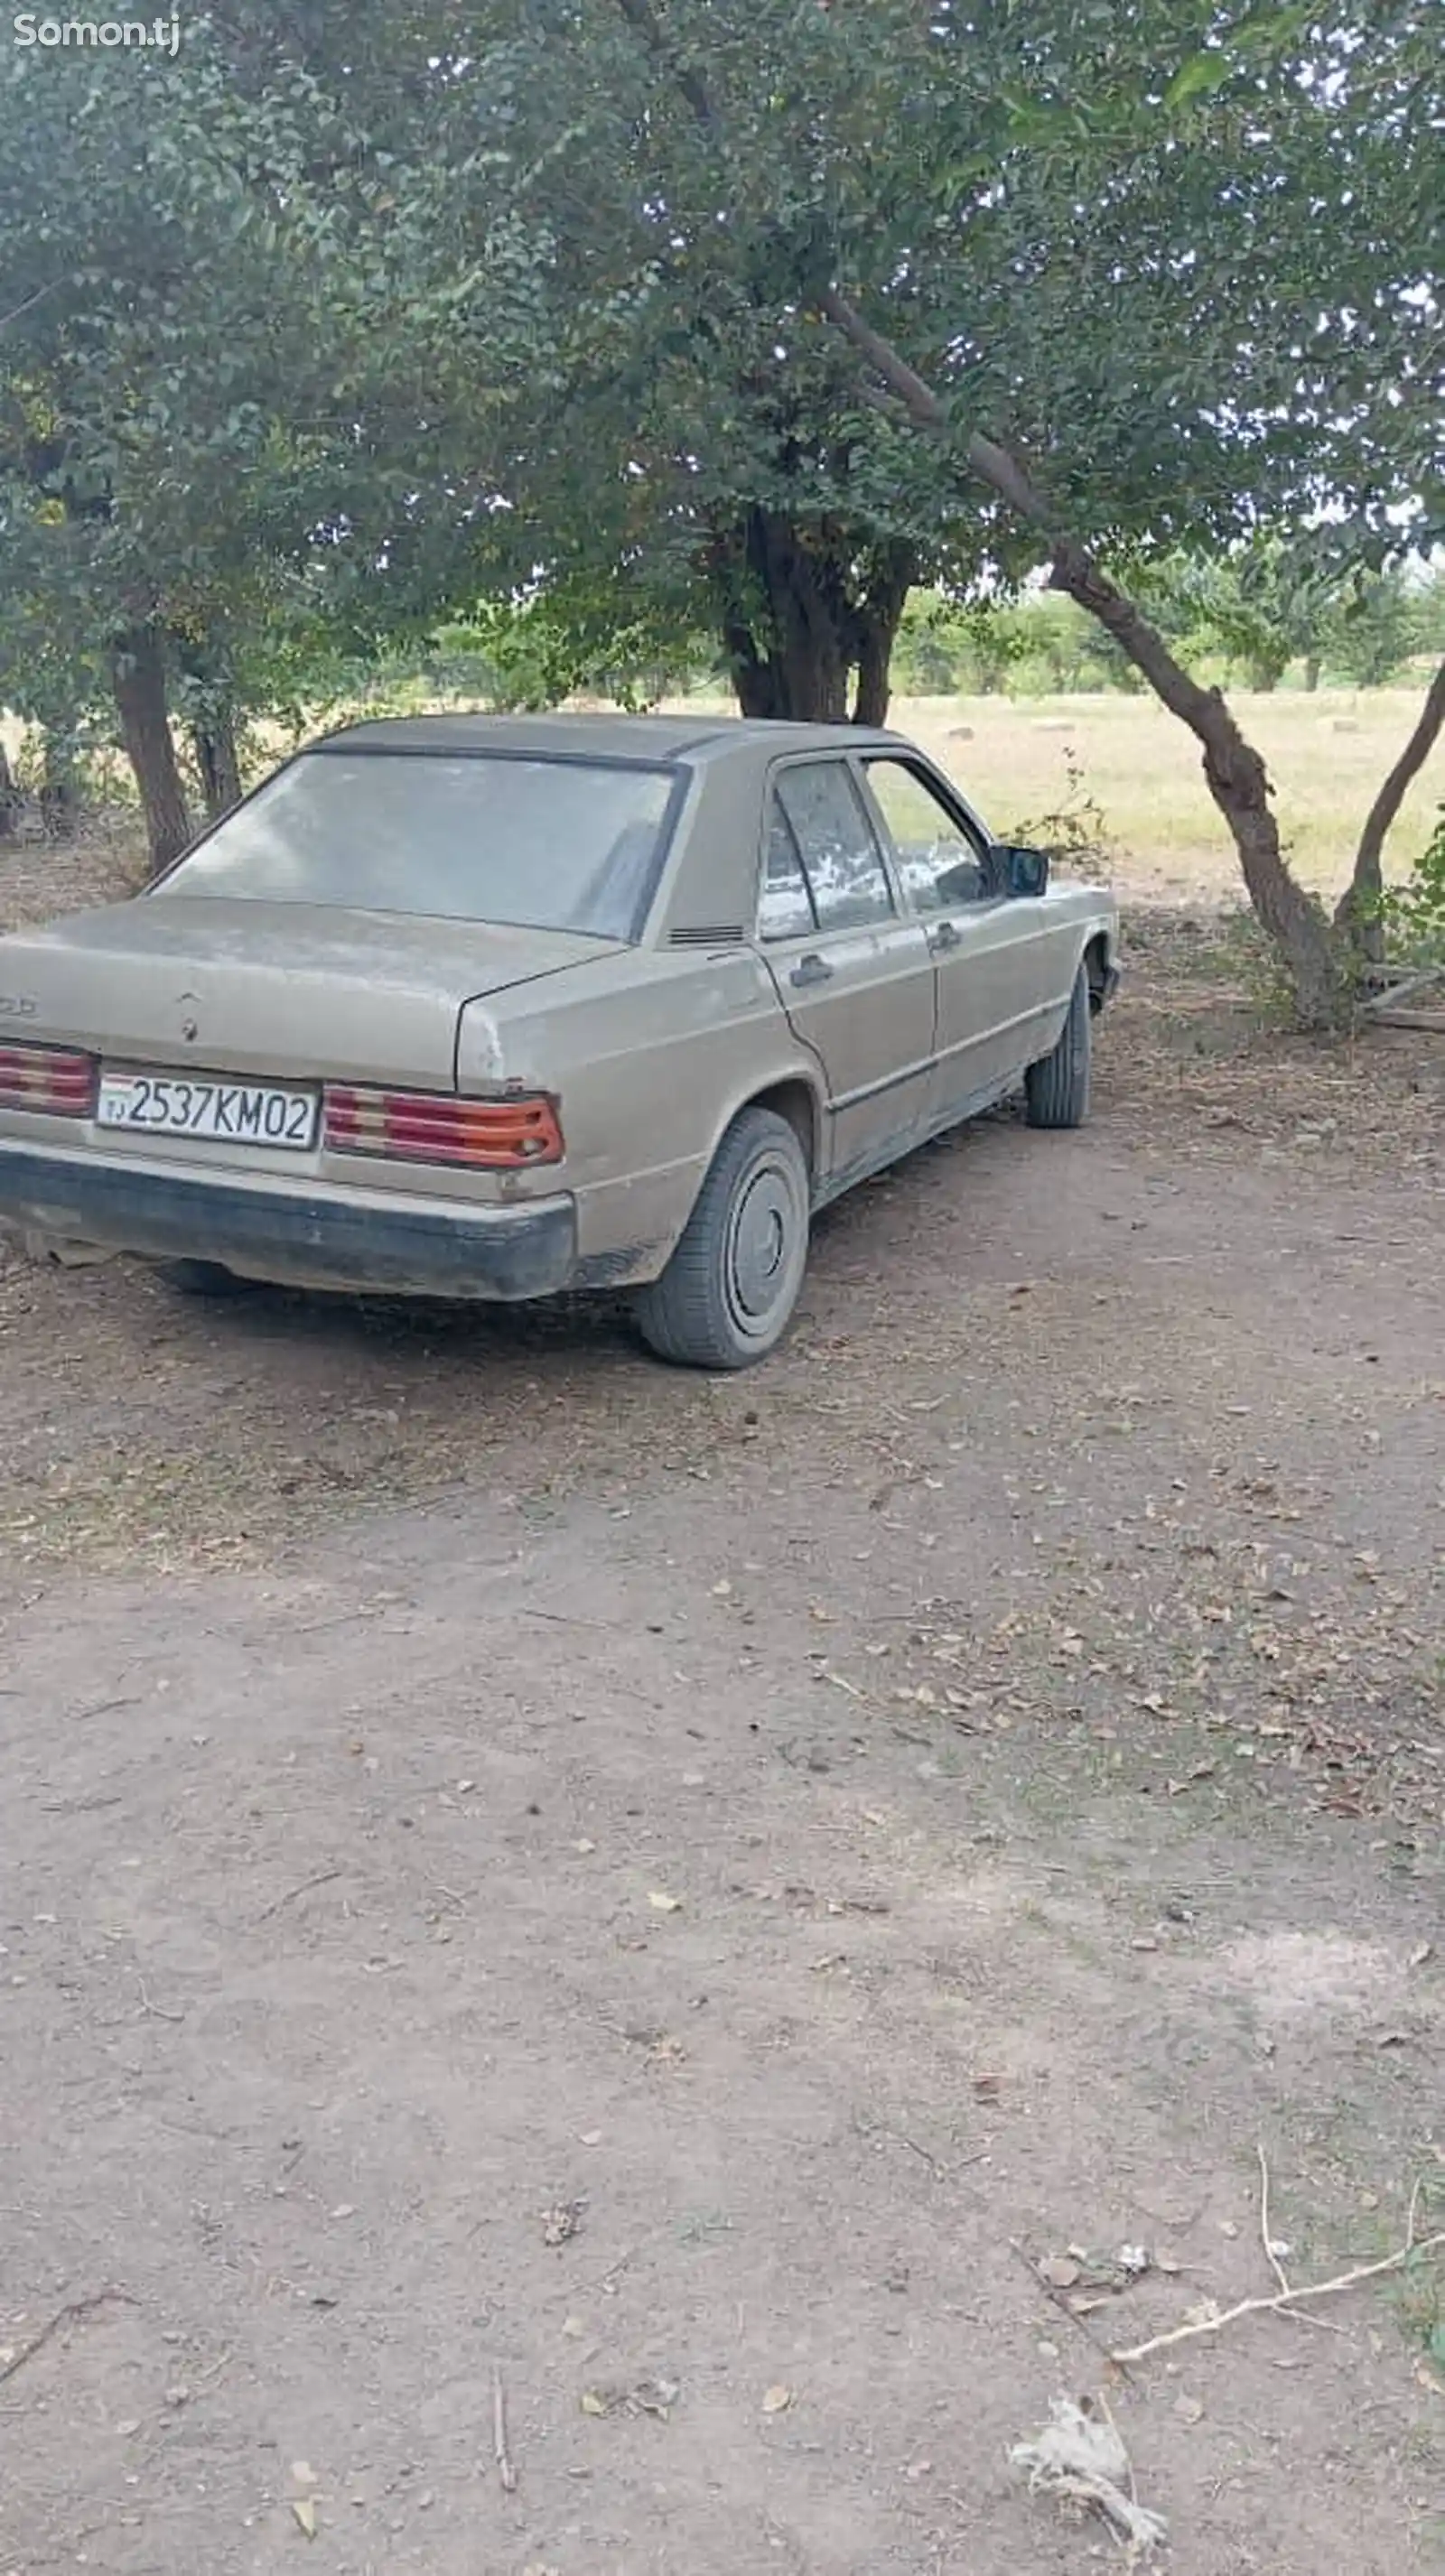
point(544, 844)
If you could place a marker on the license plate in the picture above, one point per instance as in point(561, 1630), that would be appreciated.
point(232, 1113)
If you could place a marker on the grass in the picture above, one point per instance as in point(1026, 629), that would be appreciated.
point(1327, 755)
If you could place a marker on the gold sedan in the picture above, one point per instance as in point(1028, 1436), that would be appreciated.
point(496, 1007)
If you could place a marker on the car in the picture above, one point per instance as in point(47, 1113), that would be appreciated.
point(497, 1007)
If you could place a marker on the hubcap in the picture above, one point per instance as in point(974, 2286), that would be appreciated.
point(761, 1236)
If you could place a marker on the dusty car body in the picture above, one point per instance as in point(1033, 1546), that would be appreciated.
point(473, 1007)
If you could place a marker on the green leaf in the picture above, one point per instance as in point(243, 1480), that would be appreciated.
point(1197, 77)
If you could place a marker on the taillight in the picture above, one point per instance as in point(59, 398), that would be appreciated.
point(51, 1080)
point(422, 1127)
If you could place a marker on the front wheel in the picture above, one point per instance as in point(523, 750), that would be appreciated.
point(728, 1292)
point(1056, 1089)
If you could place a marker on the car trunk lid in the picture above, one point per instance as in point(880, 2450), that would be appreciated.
point(278, 989)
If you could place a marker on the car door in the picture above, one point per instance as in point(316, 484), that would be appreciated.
point(993, 953)
point(852, 969)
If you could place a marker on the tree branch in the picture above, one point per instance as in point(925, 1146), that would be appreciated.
point(1234, 771)
point(1358, 908)
point(990, 462)
point(29, 301)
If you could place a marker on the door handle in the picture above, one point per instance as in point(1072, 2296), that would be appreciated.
point(811, 969)
point(944, 935)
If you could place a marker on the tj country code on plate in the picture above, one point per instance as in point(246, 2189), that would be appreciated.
point(242, 1113)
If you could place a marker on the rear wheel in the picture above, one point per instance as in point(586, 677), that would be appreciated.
point(204, 1279)
point(1057, 1087)
point(728, 1292)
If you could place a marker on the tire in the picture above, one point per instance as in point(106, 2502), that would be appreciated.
point(203, 1279)
point(1056, 1089)
point(727, 1295)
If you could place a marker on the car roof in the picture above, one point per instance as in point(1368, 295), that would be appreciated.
point(688, 739)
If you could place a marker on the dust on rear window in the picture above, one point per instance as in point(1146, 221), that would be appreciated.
point(542, 844)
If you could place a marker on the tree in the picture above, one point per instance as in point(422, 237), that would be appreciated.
point(681, 437)
point(1375, 626)
point(1263, 604)
point(682, 284)
point(1203, 219)
point(206, 415)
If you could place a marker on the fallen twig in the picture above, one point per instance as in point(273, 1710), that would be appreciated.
point(935, 2164)
point(500, 2452)
point(1270, 2256)
point(323, 1878)
point(563, 1618)
point(1057, 2299)
point(157, 2012)
point(611, 2276)
point(1284, 2302)
point(1324, 2324)
point(73, 2309)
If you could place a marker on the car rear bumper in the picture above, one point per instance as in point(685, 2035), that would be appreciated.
point(358, 1240)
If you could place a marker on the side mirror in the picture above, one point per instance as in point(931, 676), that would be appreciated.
point(1025, 872)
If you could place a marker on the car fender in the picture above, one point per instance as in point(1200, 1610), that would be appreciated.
point(799, 1072)
point(1091, 920)
point(644, 1223)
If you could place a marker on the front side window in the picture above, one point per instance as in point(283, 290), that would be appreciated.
point(837, 845)
point(940, 864)
point(539, 844)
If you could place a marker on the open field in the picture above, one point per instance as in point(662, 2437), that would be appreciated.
point(670, 1896)
point(1327, 754)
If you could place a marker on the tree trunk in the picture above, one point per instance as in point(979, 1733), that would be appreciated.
point(786, 654)
point(59, 798)
point(139, 679)
point(872, 693)
point(794, 626)
point(1237, 780)
point(875, 632)
point(1312, 672)
point(1234, 771)
point(213, 740)
point(1358, 912)
point(9, 798)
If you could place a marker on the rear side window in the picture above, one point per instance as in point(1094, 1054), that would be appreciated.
point(786, 909)
point(836, 845)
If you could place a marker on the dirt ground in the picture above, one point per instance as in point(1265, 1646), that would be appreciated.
point(671, 1896)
